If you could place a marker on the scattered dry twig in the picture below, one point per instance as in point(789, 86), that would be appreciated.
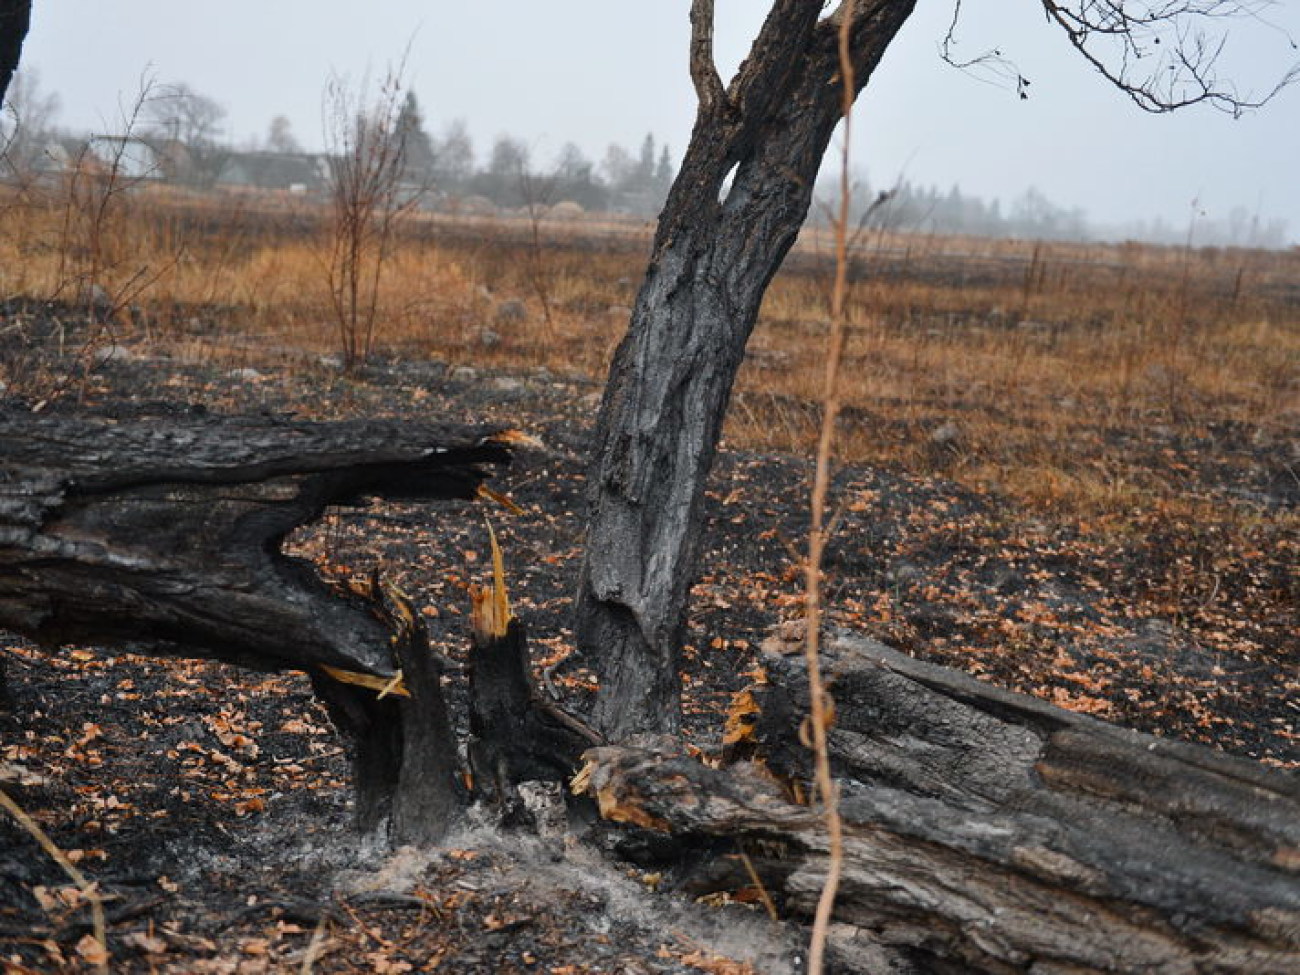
point(87, 888)
point(821, 707)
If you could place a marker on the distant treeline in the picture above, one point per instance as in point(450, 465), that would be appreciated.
point(175, 137)
point(905, 207)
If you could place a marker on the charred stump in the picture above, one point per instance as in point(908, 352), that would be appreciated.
point(162, 531)
point(516, 734)
point(984, 830)
point(405, 771)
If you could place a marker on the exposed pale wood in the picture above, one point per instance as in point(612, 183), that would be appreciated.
point(988, 831)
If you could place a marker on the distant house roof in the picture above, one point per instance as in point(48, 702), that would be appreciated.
point(274, 170)
point(132, 158)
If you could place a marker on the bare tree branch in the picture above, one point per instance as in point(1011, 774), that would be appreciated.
point(704, 70)
point(781, 41)
point(991, 62)
point(1164, 54)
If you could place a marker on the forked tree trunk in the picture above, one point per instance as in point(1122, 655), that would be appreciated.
point(717, 247)
point(984, 831)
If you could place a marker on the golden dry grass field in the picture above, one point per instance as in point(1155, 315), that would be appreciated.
point(1003, 364)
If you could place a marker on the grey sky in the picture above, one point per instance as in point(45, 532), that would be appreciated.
point(601, 71)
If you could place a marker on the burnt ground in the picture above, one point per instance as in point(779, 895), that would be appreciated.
point(210, 805)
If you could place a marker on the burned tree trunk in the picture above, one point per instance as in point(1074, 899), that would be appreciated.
point(984, 830)
point(15, 18)
point(737, 204)
point(163, 531)
point(404, 759)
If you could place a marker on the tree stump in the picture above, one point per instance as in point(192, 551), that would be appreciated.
point(516, 735)
point(984, 830)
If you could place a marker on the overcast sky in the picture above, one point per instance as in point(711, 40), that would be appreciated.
point(601, 71)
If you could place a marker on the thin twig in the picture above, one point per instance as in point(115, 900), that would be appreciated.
point(87, 888)
point(821, 706)
point(761, 887)
point(315, 947)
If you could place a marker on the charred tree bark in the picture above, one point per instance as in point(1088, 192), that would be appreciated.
point(405, 771)
point(516, 735)
point(988, 831)
point(163, 532)
point(15, 18)
point(429, 788)
point(165, 529)
point(715, 252)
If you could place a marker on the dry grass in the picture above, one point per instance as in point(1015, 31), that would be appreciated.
point(1006, 364)
point(1022, 371)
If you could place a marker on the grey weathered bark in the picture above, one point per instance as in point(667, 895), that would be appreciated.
point(163, 531)
point(717, 247)
point(15, 19)
point(985, 831)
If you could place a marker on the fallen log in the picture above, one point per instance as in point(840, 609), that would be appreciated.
point(165, 529)
point(162, 531)
point(984, 830)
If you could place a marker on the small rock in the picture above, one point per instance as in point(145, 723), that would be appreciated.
point(112, 353)
point(946, 434)
point(463, 374)
point(507, 385)
point(591, 402)
point(488, 338)
point(330, 362)
point(904, 573)
point(511, 312)
point(98, 301)
point(247, 374)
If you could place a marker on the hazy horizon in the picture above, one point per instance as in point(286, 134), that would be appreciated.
point(595, 74)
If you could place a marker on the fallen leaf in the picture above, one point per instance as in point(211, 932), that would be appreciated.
point(92, 951)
